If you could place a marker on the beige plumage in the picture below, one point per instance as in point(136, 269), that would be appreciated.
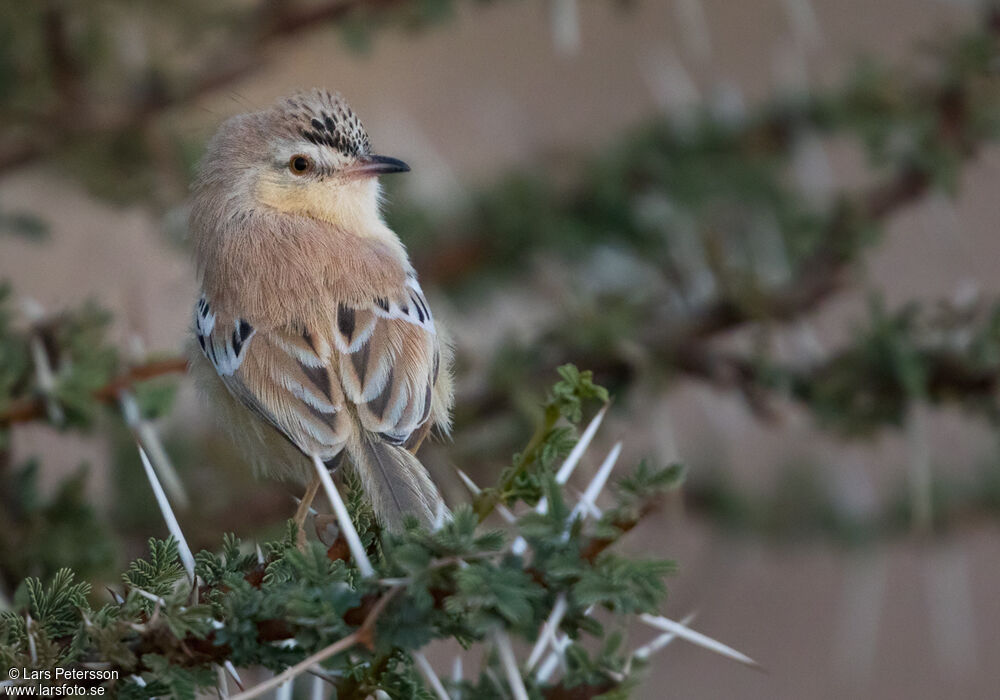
point(315, 336)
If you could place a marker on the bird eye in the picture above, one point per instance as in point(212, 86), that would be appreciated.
point(300, 165)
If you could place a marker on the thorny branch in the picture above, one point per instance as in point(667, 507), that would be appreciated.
point(193, 651)
point(363, 636)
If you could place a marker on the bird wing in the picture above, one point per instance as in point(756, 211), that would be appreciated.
point(388, 361)
point(380, 358)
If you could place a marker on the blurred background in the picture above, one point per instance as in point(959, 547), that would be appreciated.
point(767, 226)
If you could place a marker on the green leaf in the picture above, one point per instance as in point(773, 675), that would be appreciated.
point(624, 585)
point(57, 607)
point(575, 387)
point(160, 572)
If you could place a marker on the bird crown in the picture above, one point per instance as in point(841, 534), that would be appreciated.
point(324, 118)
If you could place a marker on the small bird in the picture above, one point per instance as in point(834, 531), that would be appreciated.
point(315, 336)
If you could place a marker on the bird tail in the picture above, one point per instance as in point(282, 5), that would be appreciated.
point(395, 481)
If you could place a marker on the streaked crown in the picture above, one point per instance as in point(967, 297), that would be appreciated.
point(324, 118)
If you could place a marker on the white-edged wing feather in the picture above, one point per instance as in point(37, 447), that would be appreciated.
point(381, 357)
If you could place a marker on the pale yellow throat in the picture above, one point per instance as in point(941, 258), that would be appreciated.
point(350, 206)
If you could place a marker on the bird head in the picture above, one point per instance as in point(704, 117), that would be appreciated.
point(307, 155)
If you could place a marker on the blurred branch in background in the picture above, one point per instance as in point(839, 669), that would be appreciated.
point(685, 231)
point(28, 409)
point(764, 252)
point(723, 181)
point(63, 57)
point(802, 507)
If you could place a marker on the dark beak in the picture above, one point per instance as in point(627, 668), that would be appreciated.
point(370, 166)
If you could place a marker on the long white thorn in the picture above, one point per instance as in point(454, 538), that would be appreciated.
point(318, 690)
point(565, 18)
point(440, 516)
point(284, 691)
point(168, 515)
point(558, 653)
point(592, 510)
point(46, 380)
point(430, 676)
point(147, 437)
point(32, 649)
point(520, 546)
point(647, 650)
point(150, 596)
point(548, 632)
point(704, 641)
point(469, 483)
point(573, 459)
point(556, 657)
point(506, 651)
point(231, 670)
point(222, 683)
point(344, 518)
point(597, 483)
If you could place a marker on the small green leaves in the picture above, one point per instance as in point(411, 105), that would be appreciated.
point(157, 575)
point(486, 595)
point(166, 679)
point(531, 468)
point(276, 604)
point(575, 387)
point(624, 585)
point(56, 607)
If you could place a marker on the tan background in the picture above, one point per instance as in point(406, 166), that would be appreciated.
point(904, 619)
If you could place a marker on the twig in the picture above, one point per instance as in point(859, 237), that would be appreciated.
point(360, 636)
point(32, 409)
